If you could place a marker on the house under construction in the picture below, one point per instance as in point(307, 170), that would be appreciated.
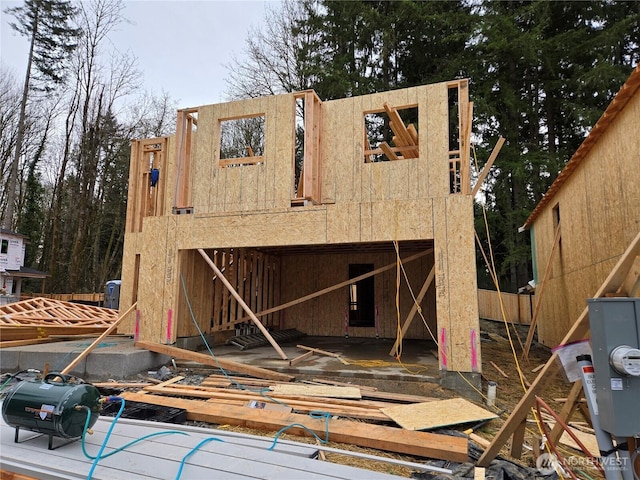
point(328, 217)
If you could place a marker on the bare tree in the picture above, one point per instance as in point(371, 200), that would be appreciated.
point(272, 64)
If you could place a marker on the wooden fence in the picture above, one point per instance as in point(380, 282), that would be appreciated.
point(518, 308)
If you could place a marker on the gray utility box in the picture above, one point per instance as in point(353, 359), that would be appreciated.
point(615, 342)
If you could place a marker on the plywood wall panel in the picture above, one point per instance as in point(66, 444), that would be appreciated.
point(217, 179)
point(599, 218)
point(283, 160)
point(203, 151)
point(344, 223)
point(436, 142)
point(456, 297)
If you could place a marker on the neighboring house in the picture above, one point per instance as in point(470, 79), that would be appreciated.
point(291, 197)
point(12, 269)
point(595, 204)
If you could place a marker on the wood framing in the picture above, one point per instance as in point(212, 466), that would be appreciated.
point(595, 199)
point(289, 220)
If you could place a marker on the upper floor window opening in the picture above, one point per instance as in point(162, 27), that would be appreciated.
point(391, 134)
point(242, 141)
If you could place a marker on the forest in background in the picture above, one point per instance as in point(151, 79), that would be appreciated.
point(541, 74)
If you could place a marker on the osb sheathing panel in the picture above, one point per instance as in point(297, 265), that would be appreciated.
point(128, 279)
point(456, 290)
point(435, 143)
point(299, 226)
point(156, 282)
point(326, 315)
point(248, 187)
point(599, 217)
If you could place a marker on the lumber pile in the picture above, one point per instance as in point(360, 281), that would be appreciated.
point(405, 139)
point(40, 319)
point(353, 414)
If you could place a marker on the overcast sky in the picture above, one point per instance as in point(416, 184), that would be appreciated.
point(181, 46)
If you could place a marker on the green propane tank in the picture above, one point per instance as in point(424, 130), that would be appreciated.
point(49, 406)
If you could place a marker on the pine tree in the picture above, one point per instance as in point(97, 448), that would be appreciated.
point(47, 25)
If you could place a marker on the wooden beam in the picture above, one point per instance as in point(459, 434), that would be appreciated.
point(421, 444)
point(214, 362)
point(334, 287)
point(300, 358)
point(386, 149)
point(412, 313)
point(518, 440)
point(243, 304)
point(534, 319)
point(93, 345)
point(324, 352)
point(578, 331)
point(487, 166)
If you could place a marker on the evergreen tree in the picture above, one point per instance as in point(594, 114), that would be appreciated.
point(47, 25)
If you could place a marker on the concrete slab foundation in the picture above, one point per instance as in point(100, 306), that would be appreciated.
point(468, 384)
point(114, 357)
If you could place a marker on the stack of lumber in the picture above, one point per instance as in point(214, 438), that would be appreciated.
point(354, 414)
point(405, 138)
point(40, 319)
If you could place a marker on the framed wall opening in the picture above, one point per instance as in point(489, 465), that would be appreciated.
point(242, 141)
point(361, 296)
point(391, 134)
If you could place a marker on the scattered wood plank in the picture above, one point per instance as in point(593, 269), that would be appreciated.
point(324, 352)
point(343, 384)
point(317, 391)
point(301, 358)
point(22, 343)
point(500, 371)
point(421, 444)
point(90, 348)
point(422, 416)
point(538, 368)
point(121, 384)
point(215, 362)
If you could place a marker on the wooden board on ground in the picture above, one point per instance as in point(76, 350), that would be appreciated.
point(423, 416)
point(316, 390)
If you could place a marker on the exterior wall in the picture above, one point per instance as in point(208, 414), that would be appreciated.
point(249, 207)
point(599, 217)
point(13, 258)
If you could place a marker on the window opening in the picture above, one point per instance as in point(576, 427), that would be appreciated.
point(391, 134)
point(361, 296)
point(242, 141)
point(5, 246)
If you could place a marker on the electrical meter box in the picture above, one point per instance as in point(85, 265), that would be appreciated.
point(615, 344)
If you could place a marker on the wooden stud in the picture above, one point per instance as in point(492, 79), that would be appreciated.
point(244, 306)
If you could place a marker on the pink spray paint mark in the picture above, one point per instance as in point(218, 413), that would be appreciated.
point(474, 352)
point(443, 348)
point(169, 321)
point(136, 334)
